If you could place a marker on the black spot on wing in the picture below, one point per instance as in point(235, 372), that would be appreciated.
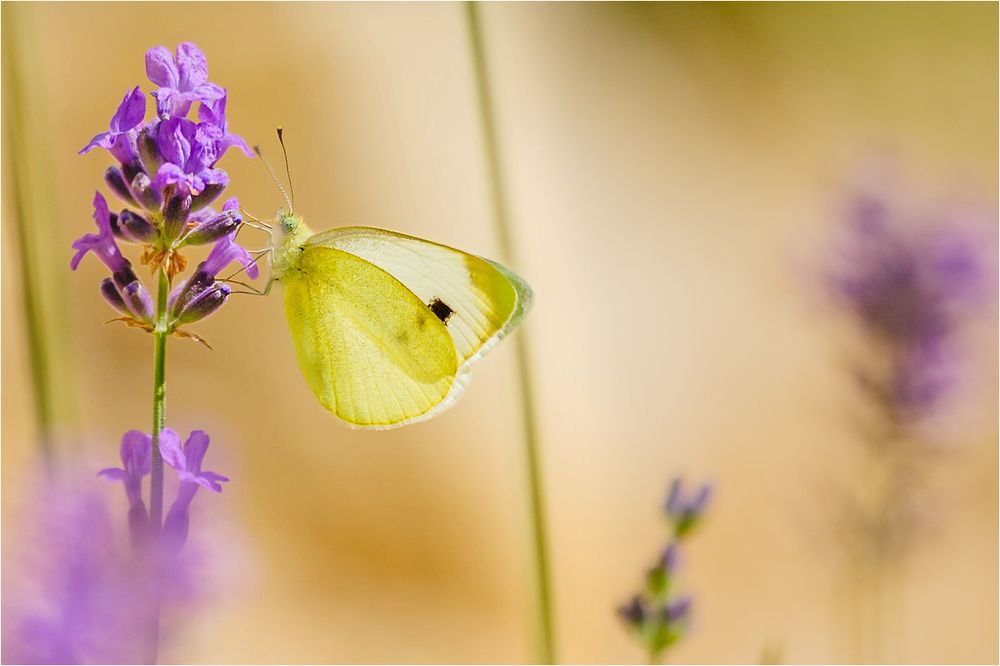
point(441, 309)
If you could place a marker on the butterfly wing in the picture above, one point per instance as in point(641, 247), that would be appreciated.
point(478, 300)
point(373, 353)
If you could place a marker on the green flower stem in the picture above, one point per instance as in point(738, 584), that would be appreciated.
point(542, 585)
point(159, 418)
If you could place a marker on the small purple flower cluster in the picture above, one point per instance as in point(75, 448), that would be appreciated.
point(167, 171)
point(657, 616)
point(136, 454)
point(908, 287)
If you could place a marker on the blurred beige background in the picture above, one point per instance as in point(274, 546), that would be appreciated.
point(672, 170)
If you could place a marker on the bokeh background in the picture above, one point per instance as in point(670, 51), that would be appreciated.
point(674, 171)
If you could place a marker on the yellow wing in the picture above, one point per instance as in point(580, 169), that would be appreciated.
point(373, 353)
point(478, 300)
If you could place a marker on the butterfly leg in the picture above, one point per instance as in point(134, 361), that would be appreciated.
point(251, 290)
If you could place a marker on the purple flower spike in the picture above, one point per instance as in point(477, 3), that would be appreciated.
point(103, 243)
point(120, 139)
point(183, 79)
point(213, 114)
point(226, 251)
point(187, 462)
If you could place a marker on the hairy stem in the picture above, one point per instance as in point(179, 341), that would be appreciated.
point(542, 587)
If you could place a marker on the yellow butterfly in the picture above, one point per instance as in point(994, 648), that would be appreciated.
point(386, 325)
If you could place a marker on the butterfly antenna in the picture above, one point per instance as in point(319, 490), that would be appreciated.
point(288, 172)
point(277, 182)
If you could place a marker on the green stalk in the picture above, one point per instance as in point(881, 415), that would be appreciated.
point(32, 217)
point(542, 587)
point(160, 334)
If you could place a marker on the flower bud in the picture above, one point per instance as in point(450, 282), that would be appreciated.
point(131, 169)
point(203, 304)
point(110, 293)
point(138, 300)
point(149, 151)
point(207, 195)
point(175, 215)
point(134, 227)
point(117, 183)
point(199, 282)
point(145, 194)
point(212, 230)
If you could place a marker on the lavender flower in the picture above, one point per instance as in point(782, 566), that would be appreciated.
point(168, 166)
point(908, 288)
point(187, 462)
point(656, 616)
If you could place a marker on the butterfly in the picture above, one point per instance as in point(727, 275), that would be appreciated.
point(385, 325)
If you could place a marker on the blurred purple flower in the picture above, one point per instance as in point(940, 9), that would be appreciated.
point(120, 139)
point(183, 79)
point(657, 616)
point(81, 598)
point(908, 288)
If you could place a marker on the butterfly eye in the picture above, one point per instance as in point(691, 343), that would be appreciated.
point(289, 224)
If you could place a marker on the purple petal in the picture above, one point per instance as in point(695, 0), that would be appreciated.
point(130, 112)
point(194, 450)
point(160, 67)
point(174, 140)
point(208, 92)
point(170, 449)
point(136, 452)
point(168, 174)
point(103, 243)
point(207, 480)
point(192, 66)
point(102, 140)
point(224, 253)
point(113, 474)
